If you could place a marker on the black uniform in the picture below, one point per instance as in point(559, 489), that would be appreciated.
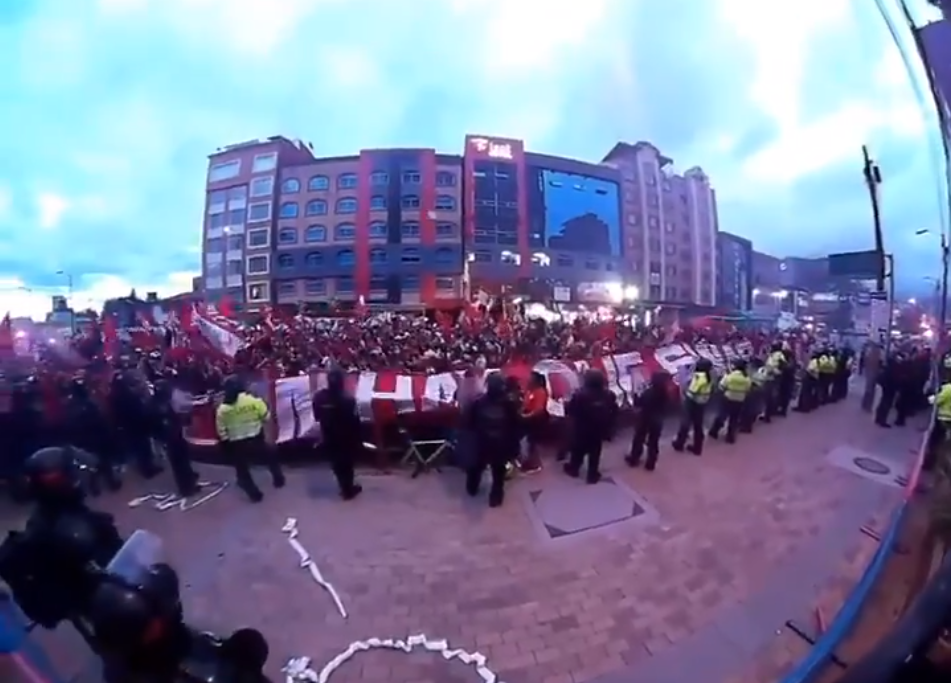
point(652, 407)
point(336, 412)
point(786, 385)
point(493, 422)
point(168, 430)
point(133, 425)
point(889, 379)
point(88, 429)
point(593, 412)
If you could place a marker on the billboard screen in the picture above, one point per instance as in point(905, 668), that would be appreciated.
point(858, 265)
point(575, 212)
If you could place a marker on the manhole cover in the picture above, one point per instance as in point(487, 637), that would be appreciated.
point(871, 466)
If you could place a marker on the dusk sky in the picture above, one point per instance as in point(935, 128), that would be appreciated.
point(110, 107)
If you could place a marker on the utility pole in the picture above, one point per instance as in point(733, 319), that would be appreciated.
point(873, 178)
point(943, 315)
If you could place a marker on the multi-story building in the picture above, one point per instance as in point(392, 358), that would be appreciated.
point(734, 272)
point(670, 226)
point(412, 227)
point(935, 40)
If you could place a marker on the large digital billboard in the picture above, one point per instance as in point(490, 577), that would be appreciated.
point(573, 212)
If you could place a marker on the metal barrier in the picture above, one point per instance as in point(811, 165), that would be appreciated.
point(821, 653)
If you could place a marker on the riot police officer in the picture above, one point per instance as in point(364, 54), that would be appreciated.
point(493, 422)
point(696, 398)
point(170, 432)
point(593, 412)
point(132, 423)
point(652, 408)
point(88, 429)
point(336, 413)
point(735, 386)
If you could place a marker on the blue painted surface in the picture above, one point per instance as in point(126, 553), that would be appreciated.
point(385, 259)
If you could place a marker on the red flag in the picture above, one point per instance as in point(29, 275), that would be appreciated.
point(110, 335)
point(186, 317)
point(225, 307)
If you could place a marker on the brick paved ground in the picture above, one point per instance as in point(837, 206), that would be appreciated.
point(725, 549)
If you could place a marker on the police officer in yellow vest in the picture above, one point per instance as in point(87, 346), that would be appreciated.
point(735, 387)
point(809, 387)
point(941, 430)
point(696, 399)
point(240, 421)
point(827, 368)
point(775, 363)
point(755, 403)
point(946, 368)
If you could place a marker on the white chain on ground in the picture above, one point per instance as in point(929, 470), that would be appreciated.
point(167, 501)
point(298, 669)
point(290, 528)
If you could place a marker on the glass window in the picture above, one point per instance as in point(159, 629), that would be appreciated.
point(258, 265)
point(259, 238)
point(345, 285)
point(258, 292)
point(411, 177)
point(410, 256)
point(235, 242)
point(345, 257)
point(316, 207)
point(410, 201)
point(287, 287)
point(445, 229)
point(591, 265)
point(287, 236)
point(264, 162)
point(564, 261)
point(445, 203)
point(346, 181)
point(445, 256)
point(378, 282)
point(238, 193)
point(214, 268)
point(377, 256)
point(377, 202)
point(262, 187)
point(314, 259)
point(346, 205)
point(378, 178)
point(410, 229)
point(411, 281)
point(260, 211)
point(318, 183)
point(289, 210)
point(315, 286)
point(217, 220)
point(224, 171)
point(445, 283)
point(214, 245)
point(285, 262)
point(235, 267)
point(290, 186)
point(345, 231)
point(315, 233)
point(445, 179)
point(237, 216)
point(377, 230)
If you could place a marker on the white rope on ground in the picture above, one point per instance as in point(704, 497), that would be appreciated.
point(290, 528)
point(167, 501)
point(298, 669)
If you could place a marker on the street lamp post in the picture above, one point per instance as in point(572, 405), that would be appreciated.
point(943, 283)
point(69, 299)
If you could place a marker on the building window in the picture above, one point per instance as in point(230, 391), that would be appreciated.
point(315, 286)
point(315, 233)
point(445, 230)
point(378, 283)
point(410, 201)
point(345, 257)
point(314, 259)
point(234, 267)
point(290, 186)
point(213, 268)
point(591, 265)
point(258, 292)
point(316, 207)
point(377, 202)
point(259, 238)
point(377, 230)
point(377, 256)
point(235, 242)
point(444, 256)
point(346, 181)
point(287, 288)
point(564, 261)
point(264, 162)
point(318, 183)
point(287, 236)
point(214, 245)
point(259, 212)
point(445, 179)
point(482, 257)
point(259, 265)
point(445, 203)
point(285, 262)
point(345, 285)
point(217, 201)
point(345, 232)
point(262, 187)
point(239, 195)
point(411, 282)
point(411, 177)
point(444, 284)
point(378, 178)
point(668, 226)
point(410, 230)
point(224, 171)
point(289, 210)
point(346, 205)
point(237, 216)
point(410, 256)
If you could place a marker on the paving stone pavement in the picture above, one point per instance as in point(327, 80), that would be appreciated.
point(725, 549)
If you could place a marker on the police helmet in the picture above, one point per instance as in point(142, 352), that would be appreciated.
point(777, 346)
point(594, 379)
point(495, 385)
point(703, 365)
point(336, 380)
point(53, 475)
point(740, 365)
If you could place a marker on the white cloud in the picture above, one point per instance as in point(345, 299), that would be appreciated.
point(6, 203)
point(50, 208)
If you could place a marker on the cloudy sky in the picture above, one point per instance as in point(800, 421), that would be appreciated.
point(109, 108)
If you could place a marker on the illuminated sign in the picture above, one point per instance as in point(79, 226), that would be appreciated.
point(496, 150)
